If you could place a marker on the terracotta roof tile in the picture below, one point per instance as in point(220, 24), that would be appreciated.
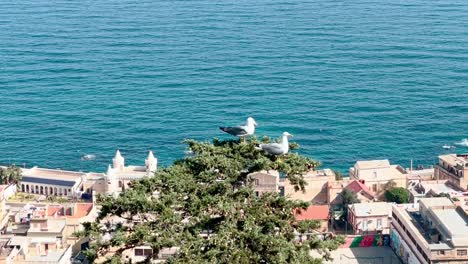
point(313, 212)
point(83, 209)
point(357, 186)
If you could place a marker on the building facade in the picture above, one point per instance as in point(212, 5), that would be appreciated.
point(370, 218)
point(265, 181)
point(316, 189)
point(454, 168)
point(434, 231)
point(377, 173)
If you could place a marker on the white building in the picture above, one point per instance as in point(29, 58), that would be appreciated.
point(118, 175)
point(74, 184)
point(376, 173)
point(51, 182)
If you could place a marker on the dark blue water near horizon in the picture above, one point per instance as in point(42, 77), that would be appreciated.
point(358, 79)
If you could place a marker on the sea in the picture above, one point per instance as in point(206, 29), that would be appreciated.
point(350, 79)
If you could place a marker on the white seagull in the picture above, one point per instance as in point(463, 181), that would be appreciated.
point(241, 131)
point(277, 148)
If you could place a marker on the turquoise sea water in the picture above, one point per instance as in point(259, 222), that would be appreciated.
point(351, 79)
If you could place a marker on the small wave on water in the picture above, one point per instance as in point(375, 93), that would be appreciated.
point(88, 157)
point(463, 142)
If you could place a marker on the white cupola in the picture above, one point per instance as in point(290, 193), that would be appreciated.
point(118, 161)
point(151, 163)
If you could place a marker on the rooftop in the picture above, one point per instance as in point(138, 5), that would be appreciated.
point(372, 164)
point(357, 186)
point(456, 223)
point(129, 172)
point(371, 209)
point(454, 159)
point(50, 225)
point(435, 201)
point(313, 212)
point(51, 257)
point(52, 174)
point(437, 187)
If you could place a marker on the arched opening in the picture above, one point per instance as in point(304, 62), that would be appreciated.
point(42, 190)
point(65, 191)
point(22, 187)
point(51, 190)
point(36, 189)
point(27, 188)
point(55, 191)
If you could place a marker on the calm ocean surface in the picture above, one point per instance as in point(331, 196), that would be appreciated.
point(351, 79)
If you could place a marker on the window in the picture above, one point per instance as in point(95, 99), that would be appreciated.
point(257, 182)
point(441, 252)
point(461, 252)
point(379, 222)
point(257, 194)
point(374, 187)
point(138, 252)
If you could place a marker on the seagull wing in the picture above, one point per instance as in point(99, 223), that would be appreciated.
point(235, 131)
point(272, 148)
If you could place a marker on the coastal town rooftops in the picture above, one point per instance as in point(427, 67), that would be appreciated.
point(371, 209)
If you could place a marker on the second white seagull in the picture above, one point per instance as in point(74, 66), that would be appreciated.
point(277, 148)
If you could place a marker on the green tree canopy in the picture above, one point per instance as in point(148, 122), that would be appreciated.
point(10, 175)
point(348, 197)
point(397, 195)
point(205, 205)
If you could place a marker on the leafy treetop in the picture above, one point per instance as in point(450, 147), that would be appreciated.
point(397, 195)
point(9, 175)
point(205, 205)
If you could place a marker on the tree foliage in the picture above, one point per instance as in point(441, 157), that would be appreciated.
point(10, 175)
point(205, 205)
point(348, 197)
point(397, 195)
point(338, 175)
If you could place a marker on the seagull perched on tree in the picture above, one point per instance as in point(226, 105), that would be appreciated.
point(277, 148)
point(241, 131)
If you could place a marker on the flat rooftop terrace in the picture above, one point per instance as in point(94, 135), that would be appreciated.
point(456, 223)
point(52, 174)
point(454, 159)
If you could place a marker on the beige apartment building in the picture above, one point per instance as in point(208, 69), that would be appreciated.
point(265, 181)
point(434, 231)
point(454, 168)
point(316, 190)
point(376, 173)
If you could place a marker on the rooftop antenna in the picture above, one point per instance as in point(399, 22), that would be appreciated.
point(411, 166)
